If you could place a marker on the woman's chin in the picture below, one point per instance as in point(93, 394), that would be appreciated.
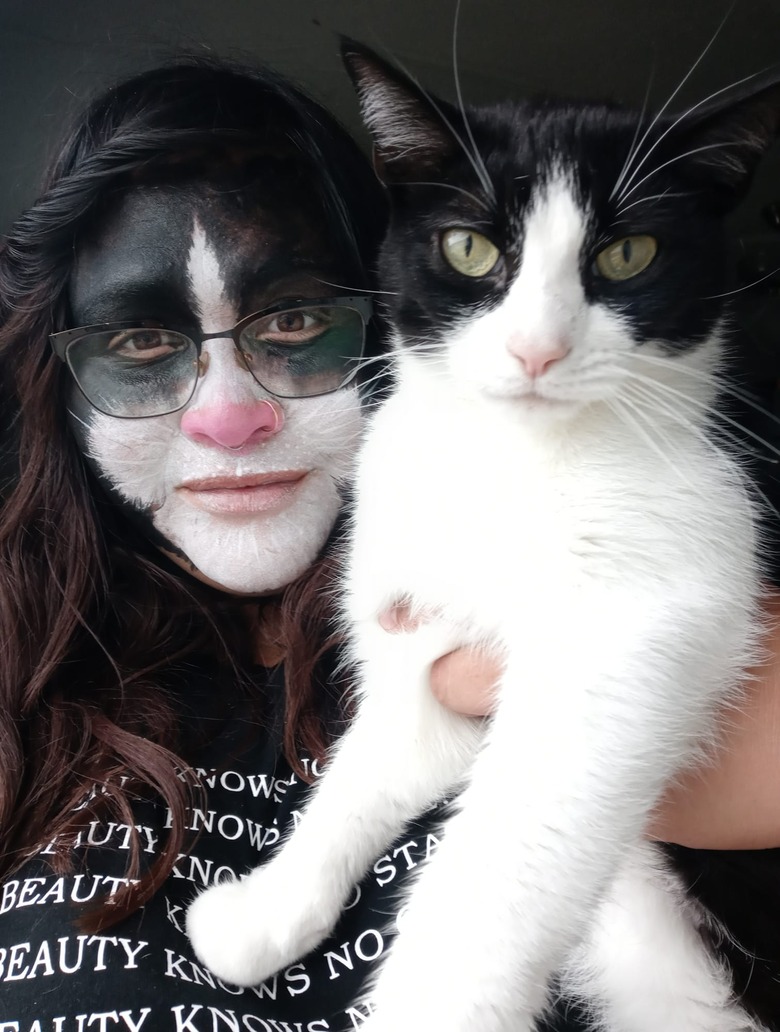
point(224, 580)
point(255, 556)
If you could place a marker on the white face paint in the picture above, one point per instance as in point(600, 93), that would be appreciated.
point(265, 542)
point(242, 485)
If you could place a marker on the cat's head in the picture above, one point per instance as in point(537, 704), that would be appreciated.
point(556, 253)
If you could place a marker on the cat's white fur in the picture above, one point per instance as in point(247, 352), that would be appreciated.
point(607, 555)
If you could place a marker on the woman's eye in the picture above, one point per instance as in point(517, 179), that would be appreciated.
point(291, 322)
point(626, 258)
point(294, 327)
point(469, 253)
point(144, 345)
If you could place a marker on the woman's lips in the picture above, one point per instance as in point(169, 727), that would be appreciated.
point(228, 495)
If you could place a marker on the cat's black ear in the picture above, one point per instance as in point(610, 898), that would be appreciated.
point(413, 133)
point(725, 139)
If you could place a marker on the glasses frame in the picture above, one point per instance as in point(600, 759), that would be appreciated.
point(62, 341)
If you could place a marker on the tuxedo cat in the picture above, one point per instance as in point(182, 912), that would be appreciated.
point(545, 481)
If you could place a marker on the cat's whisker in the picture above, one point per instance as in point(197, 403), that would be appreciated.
point(624, 408)
point(355, 289)
point(674, 363)
point(692, 406)
point(379, 378)
point(424, 346)
point(479, 169)
point(366, 360)
point(451, 186)
point(652, 197)
point(633, 146)
point(706, 407)
point(676, 414)
point(581, 379)
point(724, 385)
point(677, 411)
point(676, 366)
point(642, 392)
point(647, 410)
point(603, 358)
point(77, 419)
point(675, 159)
point(747, 286)
point(458, 93)
point(671, 98)
point(681, 118)
point(361, 364)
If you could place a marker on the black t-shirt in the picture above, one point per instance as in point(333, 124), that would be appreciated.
point(141, 975)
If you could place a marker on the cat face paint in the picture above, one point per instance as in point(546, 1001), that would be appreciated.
point(239, 486)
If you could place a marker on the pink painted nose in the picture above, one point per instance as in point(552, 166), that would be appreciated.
point(231, 425)
point(537, 359)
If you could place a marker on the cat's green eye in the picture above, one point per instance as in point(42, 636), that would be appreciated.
point(626, 257)
point(468, 252)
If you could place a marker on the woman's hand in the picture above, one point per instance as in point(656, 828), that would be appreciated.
point(734, 802)
point(731, 803)
point(464, 680)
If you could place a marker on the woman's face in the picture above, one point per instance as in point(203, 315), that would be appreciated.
point(239, 486)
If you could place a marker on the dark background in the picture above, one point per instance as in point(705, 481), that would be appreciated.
point(54, 54)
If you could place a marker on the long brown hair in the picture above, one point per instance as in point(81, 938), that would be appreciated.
point(96, 627)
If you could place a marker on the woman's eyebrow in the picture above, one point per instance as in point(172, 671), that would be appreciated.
point(279, 267)
point(279, 279)
point(143, 294)
point(113, 300)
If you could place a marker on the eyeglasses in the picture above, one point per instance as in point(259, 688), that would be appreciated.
point(297, 349)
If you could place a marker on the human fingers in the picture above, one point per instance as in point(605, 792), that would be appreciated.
point(465, 681)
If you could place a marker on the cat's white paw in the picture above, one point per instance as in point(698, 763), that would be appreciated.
point(245, 931)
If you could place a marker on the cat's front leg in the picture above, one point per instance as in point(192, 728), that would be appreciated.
point(583, 741)
point(401, 754)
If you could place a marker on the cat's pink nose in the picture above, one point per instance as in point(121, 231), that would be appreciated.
point(536, 359)
point(232, 425)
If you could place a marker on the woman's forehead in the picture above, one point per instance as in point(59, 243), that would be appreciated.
point(137, 260)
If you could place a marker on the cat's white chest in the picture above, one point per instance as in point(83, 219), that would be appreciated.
point(461, 506)
point(440, 508)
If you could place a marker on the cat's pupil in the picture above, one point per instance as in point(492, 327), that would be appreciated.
point(469, 245)
point(626, 251)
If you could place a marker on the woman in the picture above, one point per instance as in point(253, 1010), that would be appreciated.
point(186, 201)
point(198, 259)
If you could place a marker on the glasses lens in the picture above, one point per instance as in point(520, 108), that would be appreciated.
point(304, 351)
point(135, 372)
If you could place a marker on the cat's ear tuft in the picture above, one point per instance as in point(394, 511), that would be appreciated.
point(726, 140)
point(412, 132)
